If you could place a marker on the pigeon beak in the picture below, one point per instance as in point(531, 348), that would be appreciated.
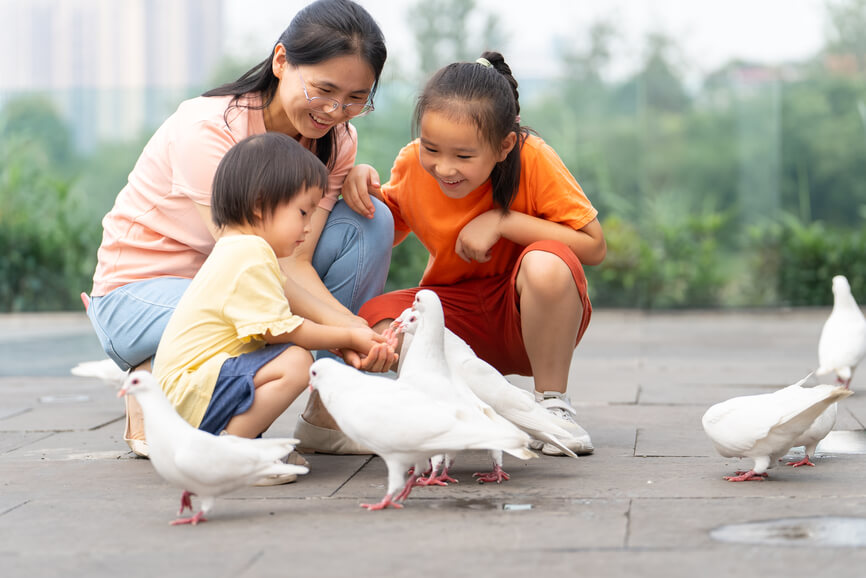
point(123, 391)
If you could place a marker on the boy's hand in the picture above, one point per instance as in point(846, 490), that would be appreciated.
point(361, 183)
point(370, 351)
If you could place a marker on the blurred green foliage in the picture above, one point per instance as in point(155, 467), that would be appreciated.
point(746, 190)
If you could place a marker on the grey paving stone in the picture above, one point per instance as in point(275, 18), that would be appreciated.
point(73, 500)
point(688, 522)
point(57, 404)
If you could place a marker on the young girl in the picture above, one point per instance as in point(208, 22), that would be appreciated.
point(507, 227)
point(233, 355)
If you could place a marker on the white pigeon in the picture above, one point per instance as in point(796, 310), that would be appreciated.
point(196, 461)
point(843, 339)
point(105, 370)
point(402, 424)
point(765, 426)
point(511, 402)
point(425, 366)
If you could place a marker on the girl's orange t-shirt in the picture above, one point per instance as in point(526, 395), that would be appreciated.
point(547, 190)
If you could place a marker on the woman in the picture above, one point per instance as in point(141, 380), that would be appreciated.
point(323, 71)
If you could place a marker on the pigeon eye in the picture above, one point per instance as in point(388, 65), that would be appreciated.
point(135, 381)
point(313, 373)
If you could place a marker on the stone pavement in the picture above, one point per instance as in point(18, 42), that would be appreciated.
point(74, 502)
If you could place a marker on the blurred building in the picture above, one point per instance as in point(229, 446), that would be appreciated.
point(114, 68)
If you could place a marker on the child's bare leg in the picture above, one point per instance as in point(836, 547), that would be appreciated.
point(278, 384)
point(550, 314)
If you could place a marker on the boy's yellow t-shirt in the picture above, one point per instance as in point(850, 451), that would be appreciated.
point(234, 299)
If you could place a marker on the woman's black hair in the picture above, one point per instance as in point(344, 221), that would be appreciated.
point(487, 96)
point(320, 31)
point(259, 174)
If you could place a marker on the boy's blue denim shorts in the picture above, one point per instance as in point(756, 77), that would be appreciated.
point(235, 390)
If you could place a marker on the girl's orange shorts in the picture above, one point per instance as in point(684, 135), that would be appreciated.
point(485, 312)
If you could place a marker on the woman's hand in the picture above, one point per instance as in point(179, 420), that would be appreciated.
point(361, 183)
point(369, 351)
point(477, 238)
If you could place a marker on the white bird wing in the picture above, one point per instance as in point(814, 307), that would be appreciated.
point(509, 401)
point(767, 424)
point(819, 428)
point(226, 462)
point(392, 417)
point(104, 369)
point(400, 418)
point(735, 425)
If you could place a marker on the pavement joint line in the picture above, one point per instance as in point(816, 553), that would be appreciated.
point(355, 473)
point(627, 534)
point(15, 507)
point(21, 411)
point(249, 564)
point(108, 423)
point(25, 444)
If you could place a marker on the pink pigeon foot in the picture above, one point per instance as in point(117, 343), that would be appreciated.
point(498, 475)
point(431, 480)
point(804, 462)
point(386, 501)
point(199, 517)
point(446, 479)
point(749, 476)
point(185, 502)
point(407, 488)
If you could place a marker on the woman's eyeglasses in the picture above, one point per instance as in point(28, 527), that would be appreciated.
point(328, 105)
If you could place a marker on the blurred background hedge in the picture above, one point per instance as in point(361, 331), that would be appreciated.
point(747, 190)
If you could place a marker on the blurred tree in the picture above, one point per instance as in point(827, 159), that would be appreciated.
point(228, 69)
point(442, 33)
point(35, 119)
point(440, 30)
point(103, 174)
point(661, 79)
point(847, 30)
point(823, 171)
point(45, 241)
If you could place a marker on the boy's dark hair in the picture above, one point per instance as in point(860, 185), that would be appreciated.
point(260, 173)
point(320, 31)
point(487, 97)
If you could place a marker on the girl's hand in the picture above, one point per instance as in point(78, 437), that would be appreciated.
point(477, 238)
point(361, 183)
